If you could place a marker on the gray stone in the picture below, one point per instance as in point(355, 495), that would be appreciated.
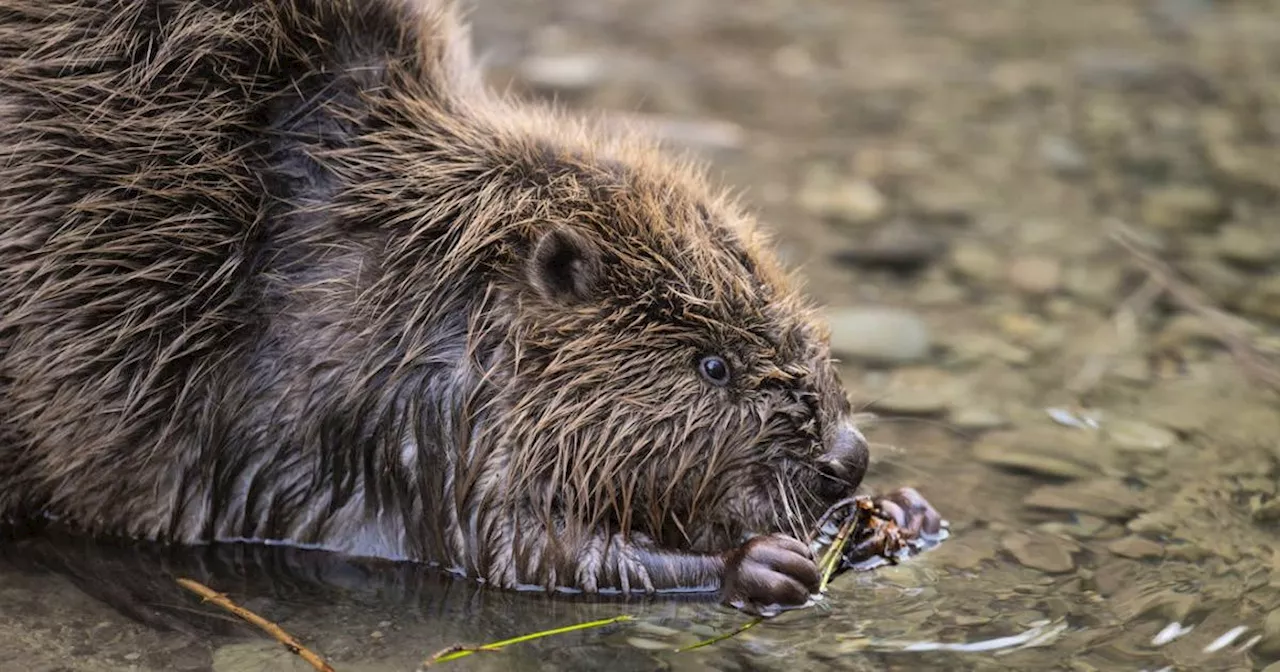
point(1047, 553)
point(566, 72)
point(1182, 207)
point(1248, 245)
point(1136, 548)
point(1139, 436)
point(849, 200)
point(1103, 497)
point(977, 262)
point(1035, 275)
point(1062, 155)
point(879, 334)
point(255, 657)
point(1050, 451)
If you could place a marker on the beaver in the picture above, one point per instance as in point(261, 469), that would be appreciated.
point(287, 271)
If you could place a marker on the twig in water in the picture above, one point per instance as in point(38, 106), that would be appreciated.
point(720, 638)
point(261, 623)
point(1228, 328)
point(460, 651)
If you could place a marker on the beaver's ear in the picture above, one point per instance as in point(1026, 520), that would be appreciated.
point(565, 266)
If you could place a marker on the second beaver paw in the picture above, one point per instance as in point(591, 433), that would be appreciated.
point(769, 574)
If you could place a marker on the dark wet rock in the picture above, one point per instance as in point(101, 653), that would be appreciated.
point(899, 246)
point(886, 335)
point(1136, 548)
point(1047, 553)
point(1049, 451)
point(1106, 498)
point(1182, 207)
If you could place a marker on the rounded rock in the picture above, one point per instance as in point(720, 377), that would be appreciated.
point(885, 335)
point(1036, 275)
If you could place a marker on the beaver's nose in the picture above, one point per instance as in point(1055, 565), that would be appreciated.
point(844, 463)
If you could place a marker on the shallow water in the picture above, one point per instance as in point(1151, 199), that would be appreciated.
point(1109, 469)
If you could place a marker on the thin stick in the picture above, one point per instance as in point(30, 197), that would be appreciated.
point(458, 651)
point(720, 638)
point(1227, 327)
point(263, 624)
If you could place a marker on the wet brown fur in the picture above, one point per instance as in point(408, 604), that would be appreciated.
point(286, 270)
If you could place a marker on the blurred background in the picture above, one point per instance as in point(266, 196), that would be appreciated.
point(1046, 235)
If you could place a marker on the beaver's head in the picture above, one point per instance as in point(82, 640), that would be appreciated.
point(661, 373)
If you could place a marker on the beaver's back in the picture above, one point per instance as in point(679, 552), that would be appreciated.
point(145, 153)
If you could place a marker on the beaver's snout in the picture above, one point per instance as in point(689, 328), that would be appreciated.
point(844, 464)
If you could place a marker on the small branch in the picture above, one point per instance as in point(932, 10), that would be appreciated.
point(261, 623)
point(1229, 329)
point(460, 651)
point(720, 638)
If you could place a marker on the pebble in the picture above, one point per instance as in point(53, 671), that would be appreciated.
point(918, 391)
point(968, 348)
point(1106, 498)
point(977, 262)
point(1049, 451)
point(1062, 155)
point(886, 335)
point(1268, 513)
point(1035, 275)
point(647, 644)
point(566, 72)
point(1046, 553)
point(848, 200)
point(944, 202)
point(254, 656)
point(1247, 245)
point(1136, 548)
point(1182, 207)
point(900, 246)
point(1269, 645)
point(977, 418)
point(1139, 436)
point(1095, 284)
point(1117, 67)
point(1152, 522)
point(1263, 299)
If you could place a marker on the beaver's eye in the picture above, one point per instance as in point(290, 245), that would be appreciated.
point(714, 369)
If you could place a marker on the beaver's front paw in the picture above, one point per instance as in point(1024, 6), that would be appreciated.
point(769, 574)
point(913, 515)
